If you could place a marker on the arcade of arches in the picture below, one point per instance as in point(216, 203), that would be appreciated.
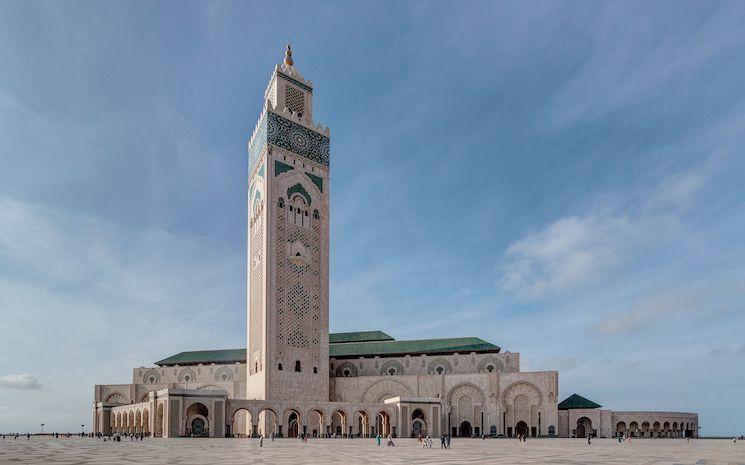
point(345, 384)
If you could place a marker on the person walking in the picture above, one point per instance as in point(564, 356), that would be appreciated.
point(390, 442)
point(589, 442)
point(261, 440)
point(447, 441)
point(377, 439)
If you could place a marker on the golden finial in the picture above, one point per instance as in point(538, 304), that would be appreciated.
point(288, 55)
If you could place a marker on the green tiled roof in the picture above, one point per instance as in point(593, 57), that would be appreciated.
point(422, 346)
point(576, 401)
point(359, 336)
point(349, 345)
point(205, 356)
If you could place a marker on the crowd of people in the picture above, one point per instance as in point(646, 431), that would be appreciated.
point(116, 437)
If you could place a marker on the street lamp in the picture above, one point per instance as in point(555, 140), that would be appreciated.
point(42, 428)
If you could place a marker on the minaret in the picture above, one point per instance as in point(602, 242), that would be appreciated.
point(288, 244)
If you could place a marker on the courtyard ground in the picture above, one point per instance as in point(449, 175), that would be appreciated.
point(364, 451)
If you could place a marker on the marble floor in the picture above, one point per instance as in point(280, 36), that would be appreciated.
point(364, 451)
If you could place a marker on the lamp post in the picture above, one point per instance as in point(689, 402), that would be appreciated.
point(42, 428)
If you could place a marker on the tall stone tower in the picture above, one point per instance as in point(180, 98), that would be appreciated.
point(288, 244)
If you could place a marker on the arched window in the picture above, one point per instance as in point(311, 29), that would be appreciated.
point(298, 211)
point(346, 373)
point(490, 368)
point(391, 371)
point(297, 365)
point(187, 378)
point(279, 367)
point(152, 379)
point(439, 370)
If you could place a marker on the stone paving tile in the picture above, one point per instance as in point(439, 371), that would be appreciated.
point(83, 451)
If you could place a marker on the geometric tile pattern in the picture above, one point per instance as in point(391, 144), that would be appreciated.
point(282, 132)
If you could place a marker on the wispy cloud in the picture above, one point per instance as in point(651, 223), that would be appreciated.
point(23, 381)
point(580, 249)
point(646, 312)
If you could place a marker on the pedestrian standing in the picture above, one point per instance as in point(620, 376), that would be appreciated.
point(261, 440)
point(377, 439)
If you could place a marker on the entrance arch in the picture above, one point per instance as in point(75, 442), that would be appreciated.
point(339, 422)
point(418, 423)
point(584, 427)
point(197, 424)
point(521, 428)
point(159, 421)
point(363, 424)
point(383, 423)
point(267, 421)
point(317, 422)
point(293, 425)
point(242, 426)
point(465, 429)
point(620, 429)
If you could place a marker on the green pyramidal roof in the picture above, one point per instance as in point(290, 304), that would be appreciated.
point(576, 401)
point(349, 345)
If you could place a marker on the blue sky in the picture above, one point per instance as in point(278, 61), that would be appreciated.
point(562, 179)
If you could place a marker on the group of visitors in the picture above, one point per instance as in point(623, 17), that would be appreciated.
point(16, 435)
point(522, 438)
point(378, 440)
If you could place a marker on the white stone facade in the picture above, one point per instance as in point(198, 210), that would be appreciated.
point(285, 382)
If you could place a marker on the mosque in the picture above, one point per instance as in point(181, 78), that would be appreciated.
point(297, 378)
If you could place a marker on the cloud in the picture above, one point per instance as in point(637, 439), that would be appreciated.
point(569, 251)
point(23, 381)
point(579, 249)
point(734, 349)
point(648, 311)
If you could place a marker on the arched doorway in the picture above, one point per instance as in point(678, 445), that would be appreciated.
point(267, 422)
point(383, 424)
point(198, 427)
point(138, 422)
point(316, 423)
point(363, 424)
point(197, 424)
point(242, 425)
point(159, 421)
point(521, 428)
point(418, 423)
point(465, 430)
point(339, 422)
point(584, 427)
point(293, 425)
point(146, 422)
point(620, 429)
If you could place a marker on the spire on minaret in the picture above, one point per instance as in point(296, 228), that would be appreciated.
point(288, 55)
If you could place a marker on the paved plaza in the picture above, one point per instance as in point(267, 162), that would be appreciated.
point(364, 451)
